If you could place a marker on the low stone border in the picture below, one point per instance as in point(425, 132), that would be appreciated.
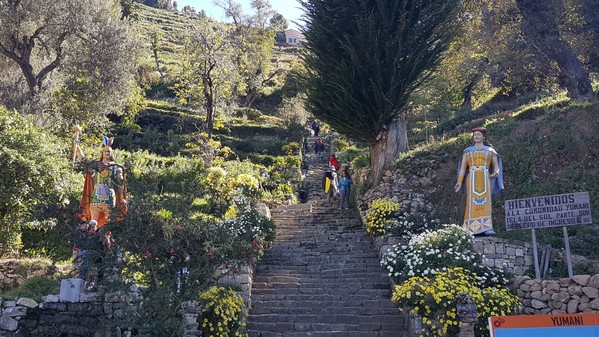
point(579, 294)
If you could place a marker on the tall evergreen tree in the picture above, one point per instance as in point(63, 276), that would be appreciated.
point(365, 57)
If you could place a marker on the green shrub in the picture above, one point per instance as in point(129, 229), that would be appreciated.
point(380, 216)
point(223, 313)
point(35, 287)
point(36, 178)
point(249, 113)
point(349, 153)
point(291, 148)
point(363, 160)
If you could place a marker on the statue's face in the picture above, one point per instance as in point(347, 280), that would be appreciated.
point(106, 155)
point(478, 137)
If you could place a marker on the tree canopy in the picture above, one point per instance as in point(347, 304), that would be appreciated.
point(365, 57)
point(80, 47)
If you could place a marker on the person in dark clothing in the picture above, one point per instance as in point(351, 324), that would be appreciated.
point(316, 128)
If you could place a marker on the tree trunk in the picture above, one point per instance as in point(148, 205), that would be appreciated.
point(390, 144)
point(209, 97)
point(540, 30)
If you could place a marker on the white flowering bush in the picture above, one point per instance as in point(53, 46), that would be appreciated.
point(244, 237)
point(407, 225)
point(244, 191)
point(434, 251)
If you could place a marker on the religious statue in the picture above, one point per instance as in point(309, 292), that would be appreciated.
point(480, 175)
point(104, 189)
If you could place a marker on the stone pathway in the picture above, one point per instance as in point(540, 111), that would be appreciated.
point(321, 277)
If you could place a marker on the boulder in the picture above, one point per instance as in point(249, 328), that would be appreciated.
point(594, 281)
point(561, 297)
point(538, 304)
point(583, 280)
point(573, 306)
point(575, 289)
point(591, 292)
point(27, 302)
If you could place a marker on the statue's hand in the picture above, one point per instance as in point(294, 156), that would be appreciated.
point(458, 186)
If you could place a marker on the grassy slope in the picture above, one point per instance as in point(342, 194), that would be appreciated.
point(160, 116)
point(546, 148)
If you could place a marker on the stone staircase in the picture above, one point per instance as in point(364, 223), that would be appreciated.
point(321, 277)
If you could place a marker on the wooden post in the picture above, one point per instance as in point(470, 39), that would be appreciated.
point(568, 255)
point(535, 255)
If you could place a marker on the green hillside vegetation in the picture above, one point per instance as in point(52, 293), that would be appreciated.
point(201, 149)
point(549, 146)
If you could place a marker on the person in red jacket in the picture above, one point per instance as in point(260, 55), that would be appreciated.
point(334, 162)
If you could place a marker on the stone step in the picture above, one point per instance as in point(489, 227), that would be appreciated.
point(328, 333)
point(365, 328)
point(322, 275)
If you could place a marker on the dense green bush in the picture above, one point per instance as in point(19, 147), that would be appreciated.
point(36, 178)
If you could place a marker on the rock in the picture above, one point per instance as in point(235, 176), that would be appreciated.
point(536, 295)
point(536, 286)
point(8, 324)
point(594, 281)
point(525, 287)
point(51, 299)
point(575, 289)
point(15, 312)
point(538, 304)
point(565, 282)
point(27, 302)
point(388, 173)
point(594, 304)
point(561, 297)
point(583, 280)
point(551, 287)
point(591, 292)
point(573, 306)
point(583, 307)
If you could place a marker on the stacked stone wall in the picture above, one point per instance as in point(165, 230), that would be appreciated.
point(579, 294)
point(94, 315)
point(14, 272)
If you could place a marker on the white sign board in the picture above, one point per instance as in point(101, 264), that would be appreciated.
point(548, 211)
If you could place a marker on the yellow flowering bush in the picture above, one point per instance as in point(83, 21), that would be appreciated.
point(434, 300)
point(380, 216)
point(223, 313)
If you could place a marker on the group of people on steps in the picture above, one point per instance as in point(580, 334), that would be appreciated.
point(337, 187)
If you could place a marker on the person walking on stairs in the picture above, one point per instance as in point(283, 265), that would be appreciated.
point(345, 183)
point(330, 184)
point(334, 162)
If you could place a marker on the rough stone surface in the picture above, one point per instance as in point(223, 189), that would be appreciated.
point(555, 297)
point(27, 302)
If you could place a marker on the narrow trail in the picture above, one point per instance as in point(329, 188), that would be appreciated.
point(322, 276)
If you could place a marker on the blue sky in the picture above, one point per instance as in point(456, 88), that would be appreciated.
point(291, 9)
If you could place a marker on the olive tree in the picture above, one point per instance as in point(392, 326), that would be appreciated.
point(81, 48)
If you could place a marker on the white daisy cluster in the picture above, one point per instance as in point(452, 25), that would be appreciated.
point(407, 225)
point(433, 251)
point(248, 224)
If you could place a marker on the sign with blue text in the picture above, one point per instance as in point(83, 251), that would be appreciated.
point(548, 211)
point(574, 325)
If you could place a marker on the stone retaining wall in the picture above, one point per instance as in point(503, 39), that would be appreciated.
point(579, 294)
point(94, 315)
point(14, 272)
